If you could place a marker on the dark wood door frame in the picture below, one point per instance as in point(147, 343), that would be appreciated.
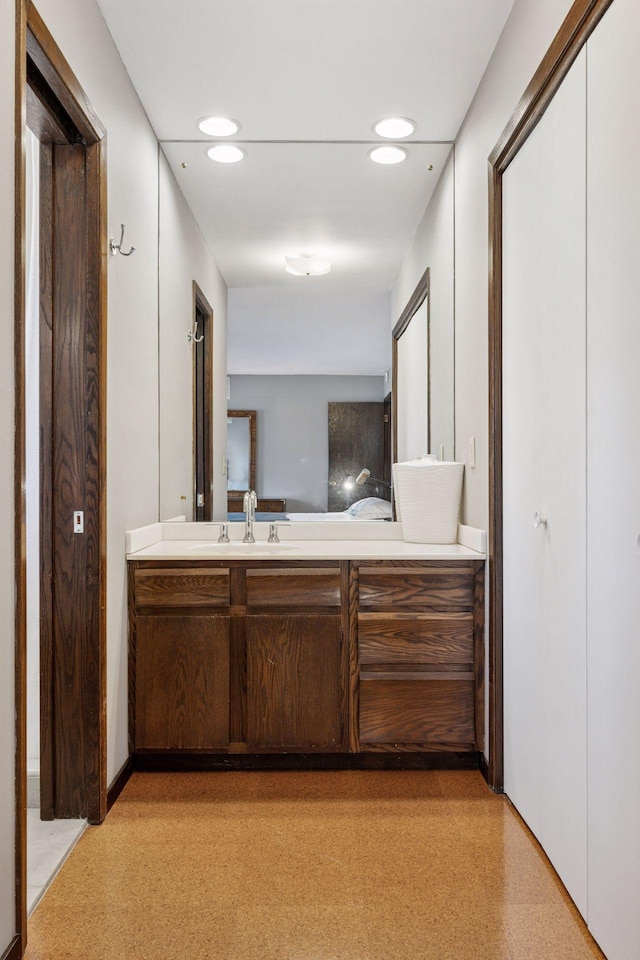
point(579, 24)
point(73, 251)
point(202, 405)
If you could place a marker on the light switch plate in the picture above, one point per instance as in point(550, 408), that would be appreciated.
point(78, 521)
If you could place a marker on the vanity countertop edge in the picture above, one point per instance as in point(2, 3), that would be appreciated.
point(195, 542)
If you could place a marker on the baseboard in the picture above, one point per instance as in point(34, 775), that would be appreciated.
point(165, 762)
point(483, 766)
point(14, 950)
point(119, 782)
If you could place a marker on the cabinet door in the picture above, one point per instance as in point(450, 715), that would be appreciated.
point(294, 689)
point(182, 682)
point(544, 462)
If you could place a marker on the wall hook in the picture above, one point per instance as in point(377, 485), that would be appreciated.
point(117, 247)
point(192, 336)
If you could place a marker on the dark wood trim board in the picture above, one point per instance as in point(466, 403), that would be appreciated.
point(119, 783)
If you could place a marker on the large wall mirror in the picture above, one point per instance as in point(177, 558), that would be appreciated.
point(298, 347)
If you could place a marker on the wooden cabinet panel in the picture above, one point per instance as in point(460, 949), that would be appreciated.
point(182, 682)
point(415, 638)
point(294, 683)
point(444, 588)
point(271, 505)
point(310, 587)
point(164, 587)
point(437, 712)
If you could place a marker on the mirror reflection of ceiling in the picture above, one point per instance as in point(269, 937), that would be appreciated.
point(306, 79)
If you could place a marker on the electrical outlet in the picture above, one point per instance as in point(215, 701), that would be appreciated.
point(471, 458)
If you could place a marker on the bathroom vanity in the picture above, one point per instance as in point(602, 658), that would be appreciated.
point(321, 650)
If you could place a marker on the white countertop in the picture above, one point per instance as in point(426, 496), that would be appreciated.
point(305, 550)
point(188, 541)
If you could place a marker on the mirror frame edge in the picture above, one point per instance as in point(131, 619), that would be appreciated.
point(251, 415)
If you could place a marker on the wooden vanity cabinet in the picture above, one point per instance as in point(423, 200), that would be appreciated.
point(420, 643)
point(312, 657)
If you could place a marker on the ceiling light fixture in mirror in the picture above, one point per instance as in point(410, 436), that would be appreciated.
point(225, 153)
point(388, 155)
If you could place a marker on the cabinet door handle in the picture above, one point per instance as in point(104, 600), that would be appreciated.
point(539, 520)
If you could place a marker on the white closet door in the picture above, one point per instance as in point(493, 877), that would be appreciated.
point(613, 332)
point(522, 442)
point(544, 238)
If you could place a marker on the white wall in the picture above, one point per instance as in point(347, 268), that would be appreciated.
point(524, 41)
point(7, 579)
point(293, 434)
point(132, 354)
point(184, 257)
point(433, 247)
point(412, 388)
point(530, 29)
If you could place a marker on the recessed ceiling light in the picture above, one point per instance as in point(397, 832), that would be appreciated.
point(388, 154)
point(218, 126)
point(225, 153)
point(394, 128)
point(306, 265)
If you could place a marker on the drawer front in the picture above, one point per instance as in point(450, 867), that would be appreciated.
point(285, 588)
point(430, 588)
point(272, 506)
point(415, 638)
point(174, 588)
point(437, 712)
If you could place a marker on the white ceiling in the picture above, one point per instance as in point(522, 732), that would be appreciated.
point(325, 199)
point(306, 70)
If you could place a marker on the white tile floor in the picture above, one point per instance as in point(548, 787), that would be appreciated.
point(49, 843)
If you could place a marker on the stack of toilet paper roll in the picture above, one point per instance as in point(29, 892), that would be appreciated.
point(427, 494)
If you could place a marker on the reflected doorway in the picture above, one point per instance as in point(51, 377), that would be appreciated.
point(202, 405)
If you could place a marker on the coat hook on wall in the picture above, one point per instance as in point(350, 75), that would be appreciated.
point(117, 247)
point(192, 335)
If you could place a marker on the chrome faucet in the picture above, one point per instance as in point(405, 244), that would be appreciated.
point(249, 504)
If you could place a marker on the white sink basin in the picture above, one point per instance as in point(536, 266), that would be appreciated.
point(244, 550)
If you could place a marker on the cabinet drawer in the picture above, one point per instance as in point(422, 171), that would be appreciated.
point(175, 588)
point(271, 506)
point(434, 588)
point(435, 711)
point(285, 588)
point(415, 638)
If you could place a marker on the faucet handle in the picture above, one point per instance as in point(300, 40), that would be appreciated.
point(273, 533)
point(224, 533)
